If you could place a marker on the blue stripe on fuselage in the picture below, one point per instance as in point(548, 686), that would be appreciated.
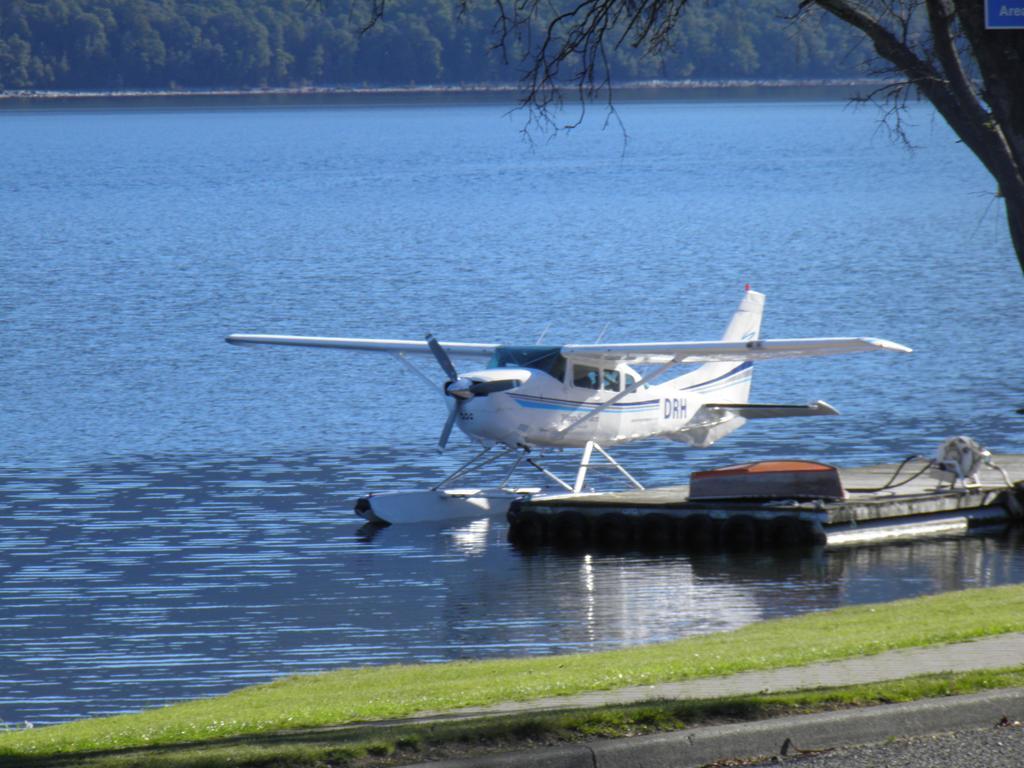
point(738, 369)
point(555, 404)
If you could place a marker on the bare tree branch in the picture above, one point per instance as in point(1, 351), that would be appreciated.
point(934, 47)
point(939, 81)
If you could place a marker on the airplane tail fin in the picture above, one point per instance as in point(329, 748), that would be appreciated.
point(729, 382)
point(746, 322)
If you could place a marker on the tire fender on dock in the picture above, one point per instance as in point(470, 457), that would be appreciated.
point(572, 528)
point(657, 531)
point(789, 531)
point(615, 529)
point(699, 533)
point(739, 533)
point(526, 526)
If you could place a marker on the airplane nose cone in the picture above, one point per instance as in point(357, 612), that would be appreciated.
point(461, 388)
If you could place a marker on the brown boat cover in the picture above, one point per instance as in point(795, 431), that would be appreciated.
point(776, 479)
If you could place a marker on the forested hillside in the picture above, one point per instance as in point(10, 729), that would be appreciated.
point(104, 44)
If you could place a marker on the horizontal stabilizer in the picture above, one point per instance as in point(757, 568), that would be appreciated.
point(364, 345)
point(759, 411)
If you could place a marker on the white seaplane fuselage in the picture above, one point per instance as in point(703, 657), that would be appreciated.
point(543, 408)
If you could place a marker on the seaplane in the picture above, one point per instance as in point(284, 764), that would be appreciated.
point(529, 399)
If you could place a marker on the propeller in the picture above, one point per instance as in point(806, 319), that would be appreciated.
point(460, 394)
point(459, 388)
point(442, 357)
point(447, 431)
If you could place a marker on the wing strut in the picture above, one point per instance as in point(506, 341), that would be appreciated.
point(627, 391)
point(581, 474)
point(400, 356)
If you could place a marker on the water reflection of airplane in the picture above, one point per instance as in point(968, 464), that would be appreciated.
point(586, 396)
point(607, 600)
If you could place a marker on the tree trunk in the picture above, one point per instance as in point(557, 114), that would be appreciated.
point(1015, 218)
point(990, 121)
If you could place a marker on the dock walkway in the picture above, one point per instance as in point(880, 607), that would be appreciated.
point(883, 501)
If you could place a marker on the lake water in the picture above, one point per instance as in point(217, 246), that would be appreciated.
point(176, 512)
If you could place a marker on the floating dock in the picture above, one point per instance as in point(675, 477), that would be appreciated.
point(882, 502)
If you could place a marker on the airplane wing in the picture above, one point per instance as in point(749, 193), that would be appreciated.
point(365, 345)
point(714, 351)
point(760, 411)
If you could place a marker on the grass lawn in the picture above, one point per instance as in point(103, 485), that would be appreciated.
point(380, 747)
point(380, 693)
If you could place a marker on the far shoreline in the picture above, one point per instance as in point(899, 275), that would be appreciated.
point(509, 94)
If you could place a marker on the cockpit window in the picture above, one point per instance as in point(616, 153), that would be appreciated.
point(585, 376)
point(610, 380)
point(546, 359)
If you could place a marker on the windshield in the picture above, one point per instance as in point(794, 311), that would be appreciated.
point(546, 359)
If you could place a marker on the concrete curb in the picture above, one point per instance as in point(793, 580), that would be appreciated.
point(695, 747)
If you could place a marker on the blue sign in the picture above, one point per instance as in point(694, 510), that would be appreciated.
point(1004, 14)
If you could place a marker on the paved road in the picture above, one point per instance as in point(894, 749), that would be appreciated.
point(899, 735)
point(876, 726)
point(969, 748)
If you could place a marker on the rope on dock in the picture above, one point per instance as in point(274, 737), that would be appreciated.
point(889, 484)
